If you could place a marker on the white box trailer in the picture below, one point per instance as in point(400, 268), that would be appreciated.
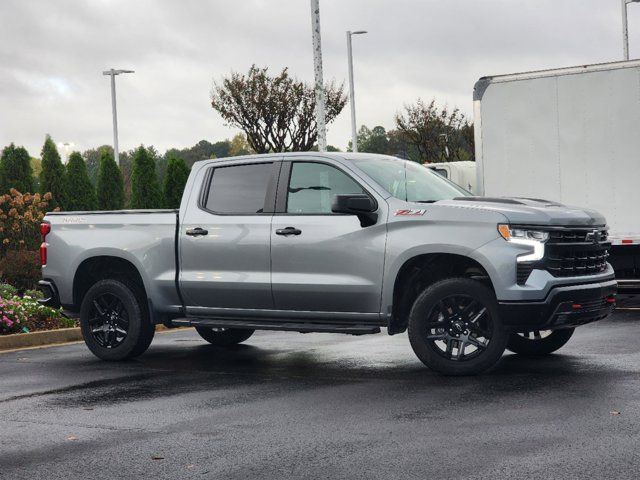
point(462, 172)
point(571, 135)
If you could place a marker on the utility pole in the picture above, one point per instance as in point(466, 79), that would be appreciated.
point(625, 27)
point(352, 98)
point(112, 73)
point(317, 64)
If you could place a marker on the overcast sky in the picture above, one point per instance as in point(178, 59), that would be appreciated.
point(53, 52)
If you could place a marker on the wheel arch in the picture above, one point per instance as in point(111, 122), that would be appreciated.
point(423, 269)
point(101, 267)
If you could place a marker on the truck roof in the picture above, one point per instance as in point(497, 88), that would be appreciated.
point(332, 155)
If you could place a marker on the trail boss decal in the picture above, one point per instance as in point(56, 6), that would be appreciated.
point(410, 213)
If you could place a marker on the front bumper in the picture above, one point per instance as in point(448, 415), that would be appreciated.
point(564, 307)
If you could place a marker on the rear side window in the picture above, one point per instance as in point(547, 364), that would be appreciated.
point(313, 186)
point(239, 189)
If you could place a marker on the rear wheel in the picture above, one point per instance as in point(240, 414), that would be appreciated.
point(223, 337)
point(114, 320)
point(539, 342)
point(454, 327)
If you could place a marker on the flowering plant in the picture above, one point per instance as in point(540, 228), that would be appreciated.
point(25, 314)
point(20, 217)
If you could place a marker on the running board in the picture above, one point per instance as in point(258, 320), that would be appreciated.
point(302, 327)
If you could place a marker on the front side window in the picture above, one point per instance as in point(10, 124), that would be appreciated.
point(313, 185)
point(239, 189)
point(409, 181)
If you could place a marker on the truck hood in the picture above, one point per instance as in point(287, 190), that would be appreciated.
point(530, 211)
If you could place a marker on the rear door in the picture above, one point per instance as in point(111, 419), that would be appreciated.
point(225, 238)
point(327, 262)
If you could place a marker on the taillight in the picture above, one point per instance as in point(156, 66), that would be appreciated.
point(45, 228)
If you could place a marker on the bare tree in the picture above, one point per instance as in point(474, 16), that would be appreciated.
point(438, 134)
point(276, 113)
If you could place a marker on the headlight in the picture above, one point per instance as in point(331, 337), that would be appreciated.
point(522, 236)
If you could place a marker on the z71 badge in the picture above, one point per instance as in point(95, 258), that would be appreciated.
point(410, 213)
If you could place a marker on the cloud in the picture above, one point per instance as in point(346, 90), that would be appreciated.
point(52, 55)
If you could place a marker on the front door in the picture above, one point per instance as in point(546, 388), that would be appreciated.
point(321, 261)
point(225, 239)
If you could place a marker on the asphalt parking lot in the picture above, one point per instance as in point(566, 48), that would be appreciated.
point(287, 405)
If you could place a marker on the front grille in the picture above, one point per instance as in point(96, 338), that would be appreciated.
point(571, 252)
point(571, 262)
point(576, 252)
point(578, 235)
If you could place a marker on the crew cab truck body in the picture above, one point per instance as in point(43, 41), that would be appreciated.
point(344, 243)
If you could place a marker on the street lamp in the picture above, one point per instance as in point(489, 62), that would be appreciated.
point(112, 73)
point(625, 27)
point(354, 129)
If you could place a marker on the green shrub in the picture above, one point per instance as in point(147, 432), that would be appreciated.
point(174, 181)
point(35, 294)
point(15, 170)
point(21, 268)
point(7, 290)
point(109, 186)
point(80, 192)
point(52, 175)
point(145, 191)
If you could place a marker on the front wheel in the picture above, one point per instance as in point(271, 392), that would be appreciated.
point(224, 337)
point(539, 342)
point(454, 327)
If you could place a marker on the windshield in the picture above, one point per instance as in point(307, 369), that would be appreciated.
point(410, 181)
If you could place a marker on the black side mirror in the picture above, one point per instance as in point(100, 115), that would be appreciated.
point(356, 204)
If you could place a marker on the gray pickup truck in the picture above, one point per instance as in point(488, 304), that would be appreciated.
point(340, 243)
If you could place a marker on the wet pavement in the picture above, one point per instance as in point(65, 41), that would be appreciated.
point(287, 405)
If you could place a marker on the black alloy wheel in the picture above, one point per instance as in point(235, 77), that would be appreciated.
point(109, 320)
point(455, 329)
point(459, 328)
point(224, 337)
point(115, 319)
point(539, 342)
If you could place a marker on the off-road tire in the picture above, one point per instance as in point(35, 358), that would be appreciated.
point(139, 331)
point(542, 346)
point(224, 337)
point(429, 307)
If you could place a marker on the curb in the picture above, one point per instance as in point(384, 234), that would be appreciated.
point(36, 339)
point(48, 337)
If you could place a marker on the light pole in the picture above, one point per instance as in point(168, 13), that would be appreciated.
point(625, 27)
point(112, 73)
point(352, 100)
point(317, 65)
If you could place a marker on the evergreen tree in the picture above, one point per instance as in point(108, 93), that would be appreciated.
point(174, 181)
point(80, 192)
point(15, 170)
point(52, 175)
point(145, 191)
point(109, 186)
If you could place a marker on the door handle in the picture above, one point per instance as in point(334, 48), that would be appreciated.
point(196, 232)
point(288, 231)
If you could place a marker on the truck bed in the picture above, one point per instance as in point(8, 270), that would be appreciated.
point(144, 238)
